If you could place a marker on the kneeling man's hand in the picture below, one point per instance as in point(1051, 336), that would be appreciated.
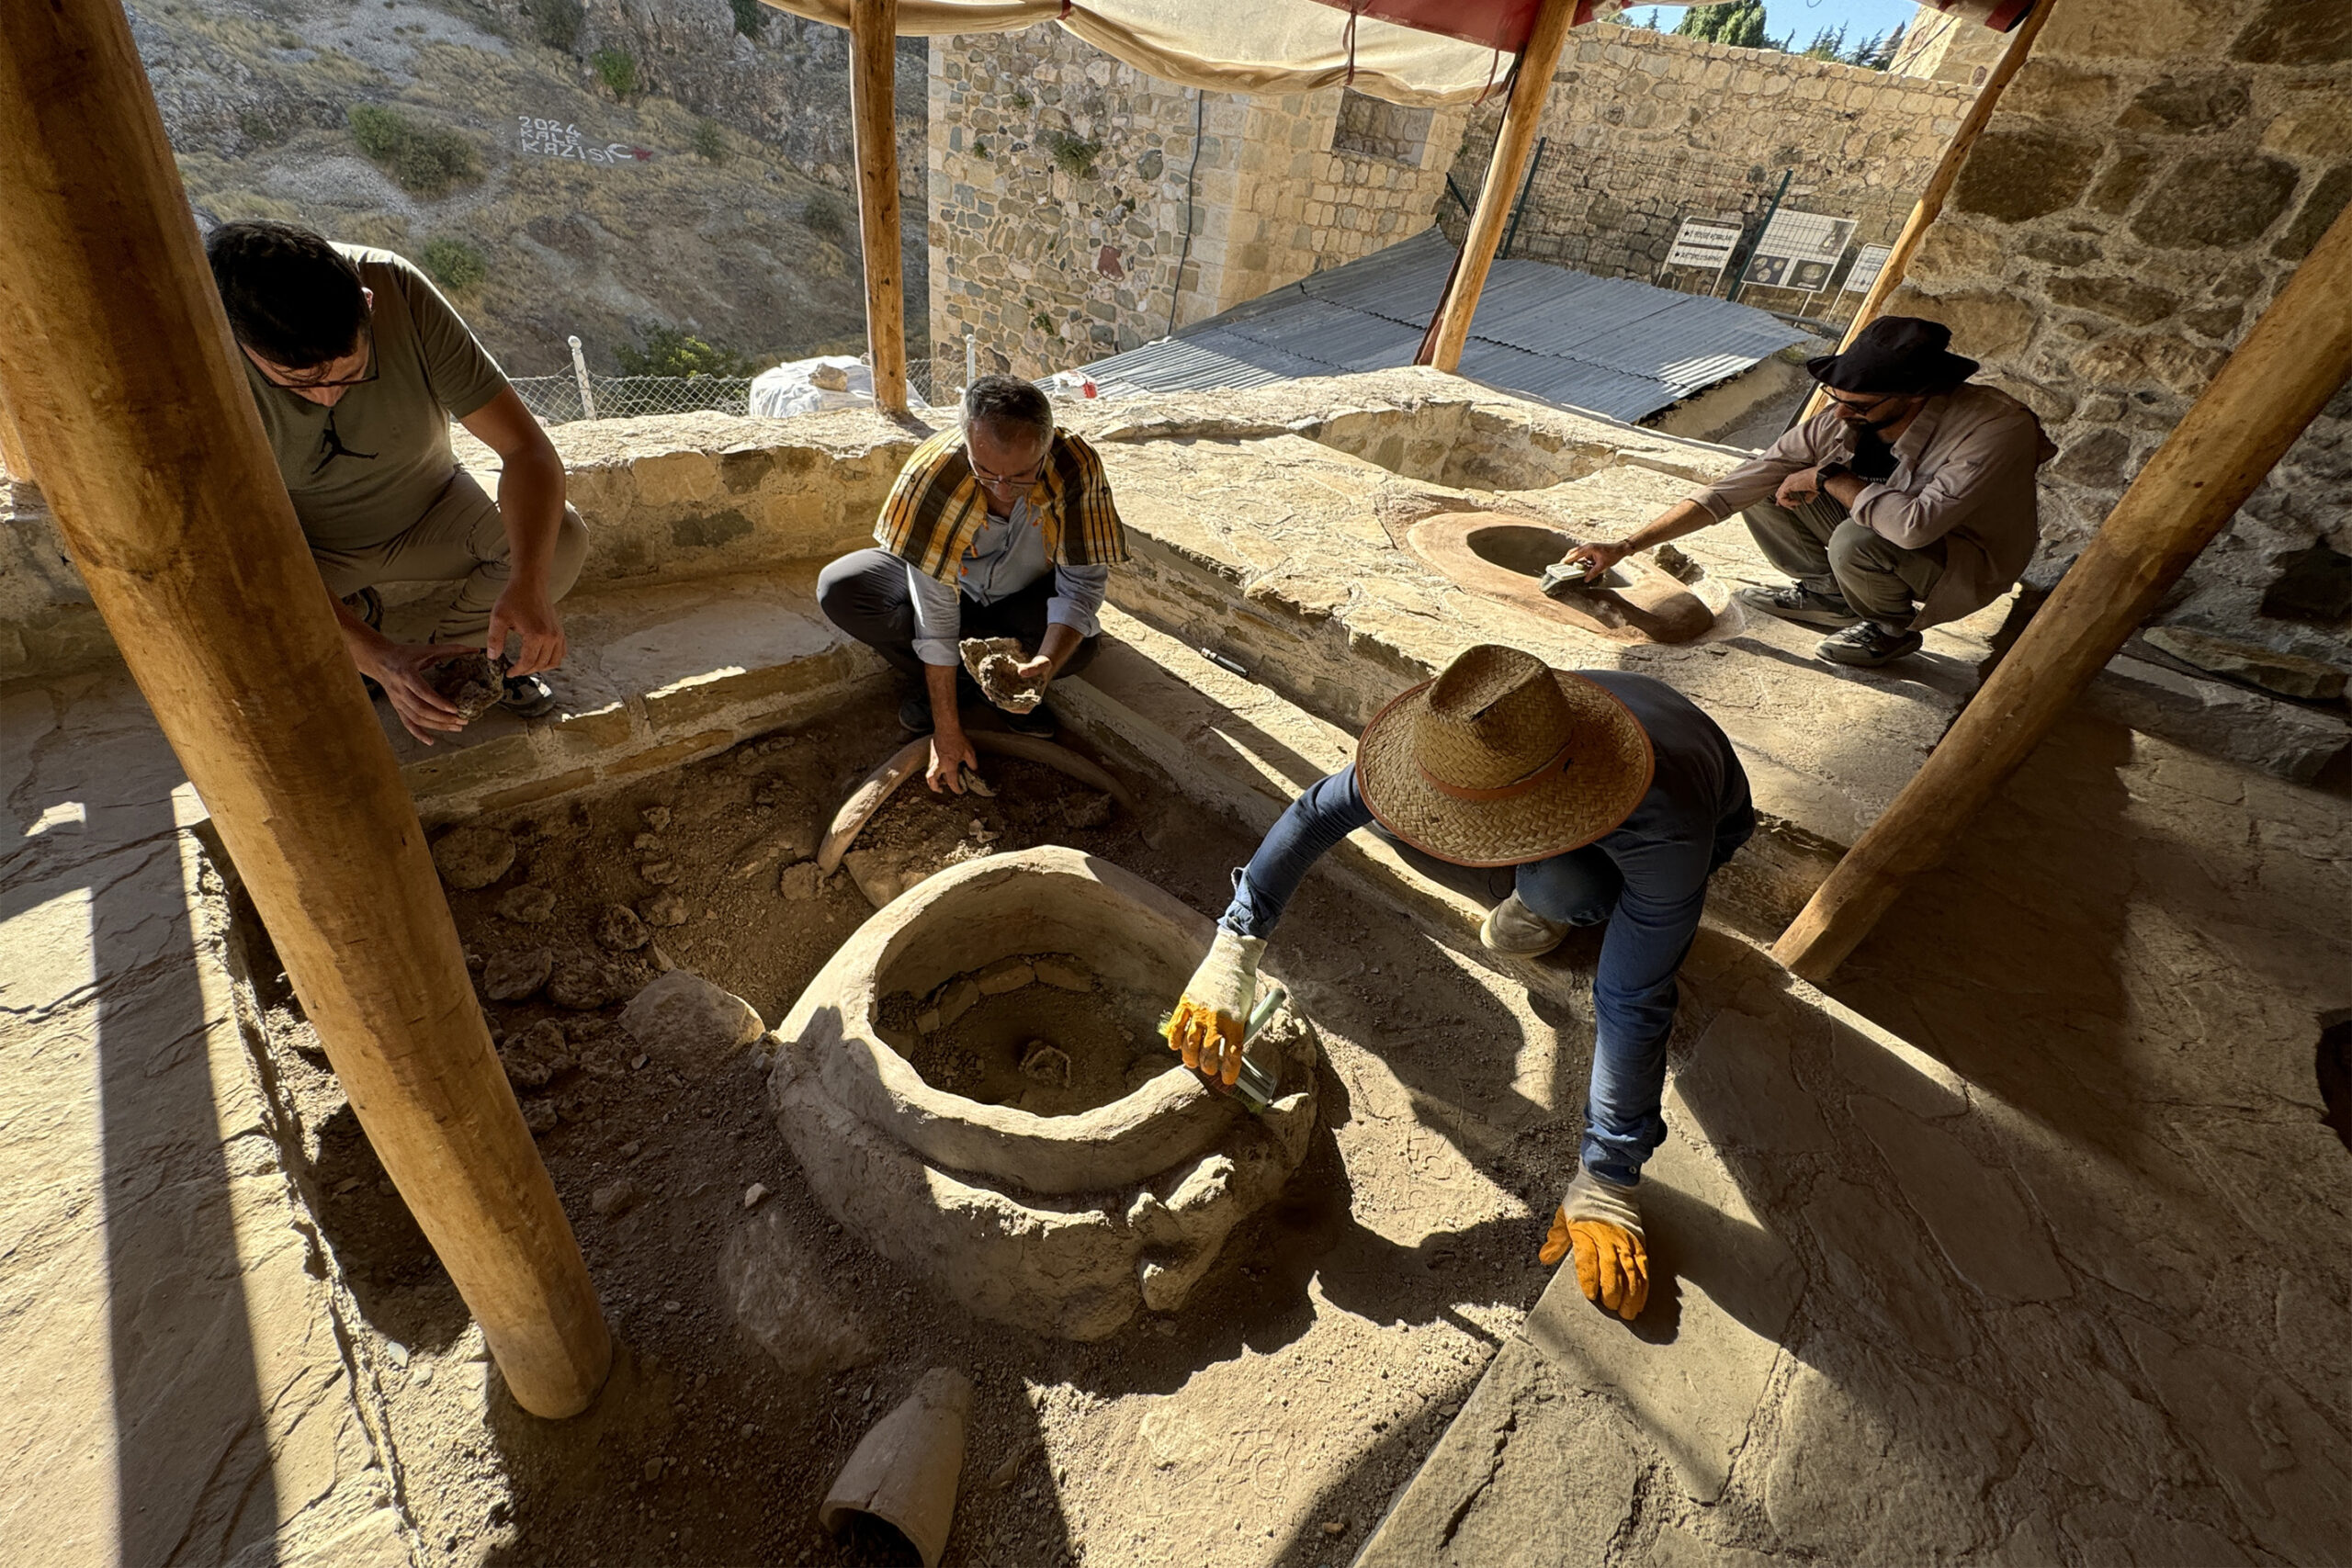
point(950, 755)
point(529, 613)
point(400, 668)
point(1799, 488)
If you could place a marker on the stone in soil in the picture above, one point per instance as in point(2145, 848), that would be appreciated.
point(664, 908)
point(2288, 675)
point(470, 682)
point(528, 905)
point(472, 857)
point(655, 816)
point(540, 1116)
point(517, 977)
point(1062, 974)
point(536, 1055)
point(882, 874)
point(619, 928)
point(691, 1020)
point(615, 1198)
point(994, 663)
point(778, 1294)
point(1004, 975)
point(1086, 808)
point(799, 882)
point(582, 984)
point(659, 873)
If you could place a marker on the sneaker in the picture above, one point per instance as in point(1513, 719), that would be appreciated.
point(528, 696)
point(1514, 930)
point(1038, 721)
point(914, 713)
point(1794, 602)
point(368, 605)
point(1868, 645)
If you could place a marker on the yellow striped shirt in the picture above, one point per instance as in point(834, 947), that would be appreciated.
point(937, 506)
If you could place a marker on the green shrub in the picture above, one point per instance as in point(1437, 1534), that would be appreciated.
point(455, 264)
point(827, 214)
point(260, 128)
point(558, 22)
point(428, 159)
point(1074, 154)
point(709, 142)
point(751, 16)
point(670, 352)
point(617, 69)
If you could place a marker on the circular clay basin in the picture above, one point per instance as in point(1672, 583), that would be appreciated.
point(1087, 1174)
point(1502, 557)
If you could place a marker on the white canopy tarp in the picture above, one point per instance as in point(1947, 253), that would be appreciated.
point(1238, 46)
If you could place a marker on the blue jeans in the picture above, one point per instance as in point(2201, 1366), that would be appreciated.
point(1647, 883)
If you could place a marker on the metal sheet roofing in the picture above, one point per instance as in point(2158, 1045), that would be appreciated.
point(1608, 345)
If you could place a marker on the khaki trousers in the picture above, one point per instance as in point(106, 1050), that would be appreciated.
point(459, 539)
point(1822, 546)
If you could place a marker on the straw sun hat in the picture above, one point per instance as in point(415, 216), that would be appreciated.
point(1502, 759)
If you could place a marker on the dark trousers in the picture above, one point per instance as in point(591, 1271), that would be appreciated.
point(866, 594)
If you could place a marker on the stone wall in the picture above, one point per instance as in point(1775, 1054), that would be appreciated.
point(2149, 179)
point(1066, 185)
point(1645, 130)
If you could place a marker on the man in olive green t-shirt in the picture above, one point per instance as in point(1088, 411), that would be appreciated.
point(357, 365)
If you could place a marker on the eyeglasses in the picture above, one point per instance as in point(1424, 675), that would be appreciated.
point(1036, 471)
point(1866, 405)
point(367, 339)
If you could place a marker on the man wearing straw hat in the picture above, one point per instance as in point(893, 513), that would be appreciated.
point(1613, 798)
point(1907, 502)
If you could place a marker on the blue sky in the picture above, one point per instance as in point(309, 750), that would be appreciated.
point(1862, 17)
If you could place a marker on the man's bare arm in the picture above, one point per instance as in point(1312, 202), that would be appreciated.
point(1682, 517)
point(531, 507)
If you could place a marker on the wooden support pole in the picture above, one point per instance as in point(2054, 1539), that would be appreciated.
point(2293, 360)
point(1450, 327)
point(120, 374)
point(872, 88)
point(1897, 265)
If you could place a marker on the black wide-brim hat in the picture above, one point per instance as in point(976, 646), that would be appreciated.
point(1894, 355)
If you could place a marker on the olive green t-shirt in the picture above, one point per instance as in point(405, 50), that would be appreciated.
point(429, 370)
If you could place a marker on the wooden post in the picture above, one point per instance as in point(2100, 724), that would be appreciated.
point(872, 69)
point(121, 375)
point(14, 467)
point(1450, 327)
point(1931, 200)
point(2292, 361)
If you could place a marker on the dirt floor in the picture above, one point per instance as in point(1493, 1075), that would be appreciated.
point(1269, 1422)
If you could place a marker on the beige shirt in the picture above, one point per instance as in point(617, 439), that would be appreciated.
point(1964, 473)
point(429, 369)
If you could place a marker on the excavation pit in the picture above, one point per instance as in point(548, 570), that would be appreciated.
point(917, 1080)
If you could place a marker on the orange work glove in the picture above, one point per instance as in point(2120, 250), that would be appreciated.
point(1600, 1222)
point(1213, 1012)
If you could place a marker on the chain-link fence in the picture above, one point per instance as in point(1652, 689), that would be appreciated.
point(1619, 215)
point(556, 399)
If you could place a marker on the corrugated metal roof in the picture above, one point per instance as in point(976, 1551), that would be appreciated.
point(1609, 344)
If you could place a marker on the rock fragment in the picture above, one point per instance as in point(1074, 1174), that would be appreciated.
point(536, 1055)
point(469, 683)
point(1062, 974)
point(799, 882)
point(517, 977)
point(584, 983)
point(615, 1198)
point(956, 999)
point(664, 908)
point(655, 816)
point(473, 857)
point(691, 1020)
point(540, 1116)
point(1004, 975)
point(994, 663)
point(659, 873)
point(619, 928)
point(753, 1194)
point(528, 905)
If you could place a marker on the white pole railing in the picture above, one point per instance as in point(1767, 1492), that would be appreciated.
point(580, 368)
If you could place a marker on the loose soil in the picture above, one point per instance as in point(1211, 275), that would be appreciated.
point(1038, 1047)
point(1269, 1422)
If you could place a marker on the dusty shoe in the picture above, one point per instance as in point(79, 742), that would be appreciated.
point(1868, 645)
point(1515, 930)
point(528, 696)
point(1038, 721)
point(1794, 602)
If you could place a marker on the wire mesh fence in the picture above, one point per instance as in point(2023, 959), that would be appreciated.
point(556, 399)
point(1620, 214)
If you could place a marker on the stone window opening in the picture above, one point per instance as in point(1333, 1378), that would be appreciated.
point(1372, 128)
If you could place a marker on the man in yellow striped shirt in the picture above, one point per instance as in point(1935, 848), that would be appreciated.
point(1003, 527)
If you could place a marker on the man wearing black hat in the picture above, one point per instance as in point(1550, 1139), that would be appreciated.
point(1907, 502)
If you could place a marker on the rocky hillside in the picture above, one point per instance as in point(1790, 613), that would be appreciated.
point(606, 170)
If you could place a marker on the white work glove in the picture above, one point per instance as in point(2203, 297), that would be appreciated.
point(1213, 1012)
point(1600, 1223)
